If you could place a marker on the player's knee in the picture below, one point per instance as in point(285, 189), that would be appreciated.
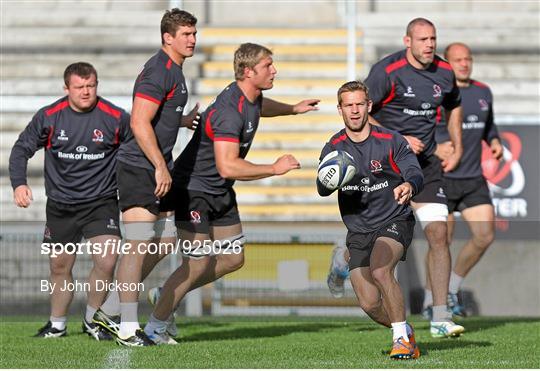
point(165, 227)
point(140, 231)
point(106, 266)
point(430, 213)
point(60, 269)
point(482, 241)
point(236, 261)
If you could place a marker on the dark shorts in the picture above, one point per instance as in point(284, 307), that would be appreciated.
point(433, 191)
point(465, 193)
point(360, 245)
point(197, 211)
point(70, 223)
point(136, 186)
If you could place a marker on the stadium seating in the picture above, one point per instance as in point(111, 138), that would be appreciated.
point(311, 63)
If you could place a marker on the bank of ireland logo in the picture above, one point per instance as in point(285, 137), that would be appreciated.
point(195, 217)
point(505, 177)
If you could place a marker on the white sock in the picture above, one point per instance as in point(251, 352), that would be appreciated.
point(455, 283)
point(129, 321)
point(399, 330)
point(111, 306)
point(155, 325)
point(89, 313)
point(58, 322)
point(441, 314)
point(428, 298)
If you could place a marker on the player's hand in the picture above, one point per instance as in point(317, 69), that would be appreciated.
point(163, 181)
point(403, 193)
point(284, 164)
point(306, 106)
point(450, 163)
point(444, 150)
point(416, 144)
point(496, 149)
point(22, 195)
point(191, 120)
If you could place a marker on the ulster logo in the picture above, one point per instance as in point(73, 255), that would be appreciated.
point(375, 166)
point(97, 136)
point(195, 217)
point(437, 92)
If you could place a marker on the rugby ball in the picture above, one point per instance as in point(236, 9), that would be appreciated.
point(336, 170)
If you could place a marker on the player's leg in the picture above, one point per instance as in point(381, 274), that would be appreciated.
point(427, 306)
point(368, 295)
point(139, 227)
point(63, 233)
point(384, 258)
point(61, 266)
point(480, 219)
point(339, 271)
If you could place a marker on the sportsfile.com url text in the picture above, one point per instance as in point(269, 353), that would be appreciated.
point(112, 246)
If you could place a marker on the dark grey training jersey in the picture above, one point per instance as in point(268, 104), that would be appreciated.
point(232, 118)
point(408, 100)
point(162, 82)
point(80, 150)
point(478, 125)
point(383, 161)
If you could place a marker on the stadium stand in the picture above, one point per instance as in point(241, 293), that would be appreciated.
point(311, 61)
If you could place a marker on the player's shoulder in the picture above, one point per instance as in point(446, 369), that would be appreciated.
point(108, 108)
point(392, 62)
point(160, 64)
point(442, 64)
point(480, 86)
point(54, 108)
point(386, 135)
point(231, 99)
point(337, 138)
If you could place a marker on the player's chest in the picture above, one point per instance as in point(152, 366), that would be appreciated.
point(83, 135)
point(419, 93)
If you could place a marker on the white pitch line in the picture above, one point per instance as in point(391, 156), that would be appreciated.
point(118, 358)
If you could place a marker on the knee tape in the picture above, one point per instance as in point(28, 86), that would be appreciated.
point(140, 231)
point(165, 227)
point(432, 212)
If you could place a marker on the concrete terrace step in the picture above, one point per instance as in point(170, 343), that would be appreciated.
point(285, 69)
point(320, 52)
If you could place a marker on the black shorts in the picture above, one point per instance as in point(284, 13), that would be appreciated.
point(465, 193)
point(136, 186)
point(360, 245)
point(70, 223)
point(197, 211)
point(433, 191)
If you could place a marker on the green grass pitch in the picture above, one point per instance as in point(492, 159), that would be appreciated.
point(280, 342)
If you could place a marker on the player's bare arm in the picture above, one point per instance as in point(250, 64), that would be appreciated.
point(191, 120)
point(403, 193)
point(22, 195)
point(271, 108)
point(454, 119)
point(231, 166)
point(141, 124)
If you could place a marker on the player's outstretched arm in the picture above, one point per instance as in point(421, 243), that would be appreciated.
point(231, 166)
point(271, 108)
point(141, 125)
point(22, 195)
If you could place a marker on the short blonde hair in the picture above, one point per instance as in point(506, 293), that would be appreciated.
point(248, 55)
